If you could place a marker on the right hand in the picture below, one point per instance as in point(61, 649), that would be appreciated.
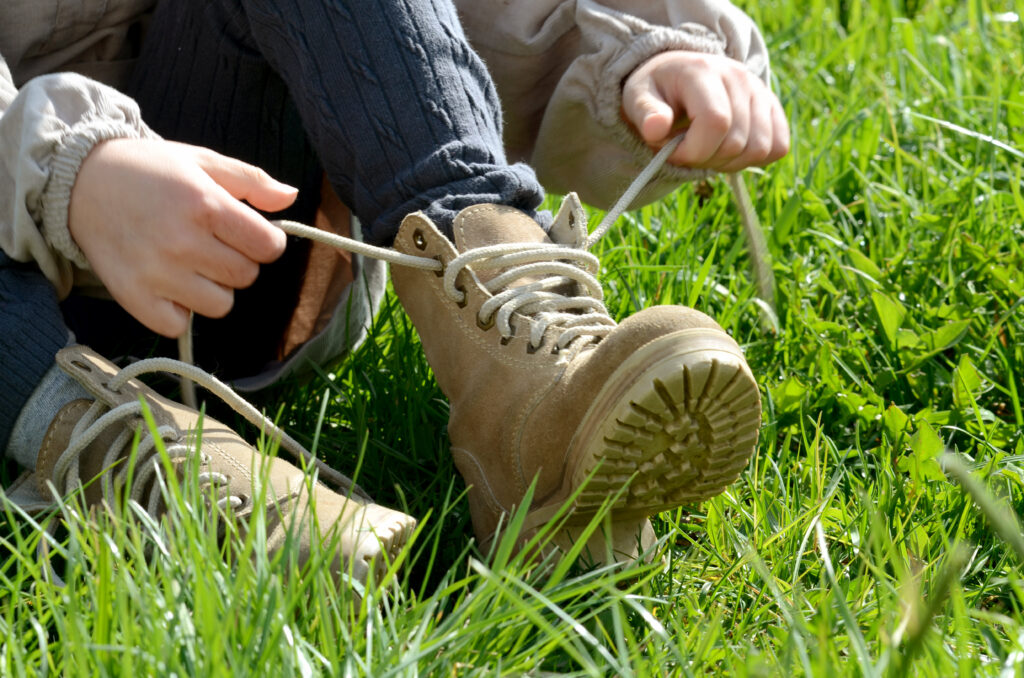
point(163, 227)
point(733, 120)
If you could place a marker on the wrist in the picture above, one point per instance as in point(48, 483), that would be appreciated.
point(66, 164)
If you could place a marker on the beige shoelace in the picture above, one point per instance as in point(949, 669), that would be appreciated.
point(99, 417)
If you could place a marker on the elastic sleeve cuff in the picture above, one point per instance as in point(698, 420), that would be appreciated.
point(688, 37)
point(67, 160)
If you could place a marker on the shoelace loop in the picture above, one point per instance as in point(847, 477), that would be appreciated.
point(551, 267)
point(100, 417)
point(580, 316)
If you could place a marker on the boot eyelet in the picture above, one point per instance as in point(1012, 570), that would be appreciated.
point(465, 297)
point(555, 349)
point(531, 349)
point(572, 219)
point(82, 366)
point(419, 240)
point(505, 341)
point(106, 385)
point(485, 325)
point(439, 272)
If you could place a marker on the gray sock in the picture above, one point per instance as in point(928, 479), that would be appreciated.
point(55, 391)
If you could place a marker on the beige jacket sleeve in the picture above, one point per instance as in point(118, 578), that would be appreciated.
point(559, 67)
point(47, 128)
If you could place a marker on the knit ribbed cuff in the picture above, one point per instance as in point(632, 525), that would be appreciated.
point(68, 159)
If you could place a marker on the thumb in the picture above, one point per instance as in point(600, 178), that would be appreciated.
point(248, 182)
point(647, 109)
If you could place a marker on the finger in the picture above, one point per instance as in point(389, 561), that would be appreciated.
point(737, 139)
point(162, 299)
point(707, 105)
point(647, 110)
point(157, 313)
point(242, 229)
point(134, 294)
point(226, 266)
point(197, 293)
point(169, 319)
point(247, 182)
point(780, 130)
point(759, 138)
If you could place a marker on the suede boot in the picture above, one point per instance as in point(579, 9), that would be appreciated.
point(546, 388)
point(89, 441)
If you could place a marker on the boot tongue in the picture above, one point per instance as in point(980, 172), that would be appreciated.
point(485, 225)
point(57, 439)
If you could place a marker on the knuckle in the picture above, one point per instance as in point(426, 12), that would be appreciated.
point(752, 80)
point(175, 325)
point(732, 146)
point(703, 60)
point(176, 245)
point(199, 205)
point(718, 119)
point(204, 156)
point(211, 215)
point(192, 197)
point(780, 148)
point(171, 322)
point(273, 245)
point(646, 105)
point(220, 304)
point(759, 148)
point(251, 173)
point(260, 175)
point(245, 274)
point(693, 160)
point(734, 68)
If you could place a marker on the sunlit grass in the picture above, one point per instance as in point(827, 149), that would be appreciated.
point(896, 228)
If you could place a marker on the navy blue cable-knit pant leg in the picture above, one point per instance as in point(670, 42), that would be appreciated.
point(385, 95)
point(400, 111)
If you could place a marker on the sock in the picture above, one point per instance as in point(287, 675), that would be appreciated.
point(55, 391)
point(32, 330)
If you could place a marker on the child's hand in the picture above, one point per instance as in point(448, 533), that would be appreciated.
point(732, 119)
point(162, 226)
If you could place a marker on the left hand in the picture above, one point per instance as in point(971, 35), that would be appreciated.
point(733, 120)
point(163, 227)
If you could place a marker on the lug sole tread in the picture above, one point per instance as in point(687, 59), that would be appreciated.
point(682, 433)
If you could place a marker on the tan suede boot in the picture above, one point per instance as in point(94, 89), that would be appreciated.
point(545, 387)
point(88, 443)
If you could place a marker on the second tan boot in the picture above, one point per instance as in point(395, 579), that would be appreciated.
point(88, 444)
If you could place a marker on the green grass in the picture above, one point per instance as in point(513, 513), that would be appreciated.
point(844, 549)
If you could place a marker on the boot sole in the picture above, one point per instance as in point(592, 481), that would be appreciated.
point(387, 532)
point(676, 423)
